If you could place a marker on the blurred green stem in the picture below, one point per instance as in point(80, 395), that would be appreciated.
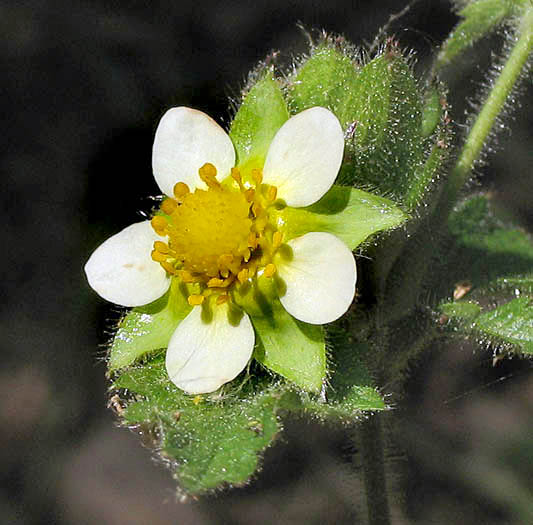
point(374, 471)
point(492, 107)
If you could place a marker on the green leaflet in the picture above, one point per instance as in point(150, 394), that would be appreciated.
point(260, 116)
point(479, 19)
point(148, 328)
point(350, 214)
point(212, 442)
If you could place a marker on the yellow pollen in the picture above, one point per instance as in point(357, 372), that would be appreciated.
point(186, 277)
point(180, 189)
point(215, 282)
point(195, 300)
point(270, 270)
point(168, 267)
point(257, 209)
point(159, 224)
point(252, 240)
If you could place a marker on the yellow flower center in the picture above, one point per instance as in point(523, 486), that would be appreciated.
point(218, 237)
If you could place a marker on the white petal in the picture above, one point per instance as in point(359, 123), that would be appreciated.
point(122, 271)
point(305, 156)
point(320, 278)
point(184, 141)
point(202, 356)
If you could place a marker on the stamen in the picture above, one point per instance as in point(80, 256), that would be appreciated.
point(242, 276)
point(195, 300)
point(208, 174)
point(159, 224)
point(270, 270)
point(249, 194)
point(257, 175)
point(168, 267)
point(181, 189)
point(161, 247)
point(257, 209)
point(252, 240)
point(215, 282)
point(277, 238)
point(221, 299)
point(186, 277)
point(168, 206)
point(236, 175)
point(158, 256)
point(272, 193)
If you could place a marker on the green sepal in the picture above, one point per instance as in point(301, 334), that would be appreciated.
point(289, 347)
point(328, 79)
point(431, 112)
point(480, 18)
point(351, 214)
point(261, 114)
point(209, 440)
point(379, 107)
point(351, 390)
point(463, 310)
point(148, 328)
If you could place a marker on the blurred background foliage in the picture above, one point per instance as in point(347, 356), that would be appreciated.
point(84, 84)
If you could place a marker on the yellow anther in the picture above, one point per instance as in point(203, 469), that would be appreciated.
point(277, 238)
point(180, 189)
point(195, 300)
point(243, 275)
point(247, 254)
point(221, 299)
point(168, 267)
point(257, 209)
point(252, 240)
point(249, 194)
point(236, 175)
point(257, 175)
point(272, 193)
point(270, 270)
point(159, 224)
point(208, 174)
point(161, 247)
point(158, 256)
point(215, 282)
point(168, 206)
point(186, 277)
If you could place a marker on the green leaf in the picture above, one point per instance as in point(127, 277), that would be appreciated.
point(479, 19)
point(262, 112)
point(350, 214)
point(464, 310)
point(210, 440)
point(510, 324)
point(148, 328)
point(485, 248)
point(431, 112)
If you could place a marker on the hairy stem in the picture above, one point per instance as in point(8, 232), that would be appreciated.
point(492, 107)
point(374, 471)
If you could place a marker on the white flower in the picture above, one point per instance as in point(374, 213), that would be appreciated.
point(220, 237)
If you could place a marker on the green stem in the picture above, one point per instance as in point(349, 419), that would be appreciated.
point(492, 107)
point(374, 471)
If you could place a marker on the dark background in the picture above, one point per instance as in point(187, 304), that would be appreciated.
point(83, 86)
